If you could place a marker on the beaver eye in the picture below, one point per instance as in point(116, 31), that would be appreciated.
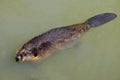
point(25, 54)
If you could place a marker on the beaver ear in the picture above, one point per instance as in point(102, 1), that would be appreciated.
point(45, 45)
point(35, 54)
point(34, 51)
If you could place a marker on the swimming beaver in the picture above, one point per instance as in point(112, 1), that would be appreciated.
point(59, 38)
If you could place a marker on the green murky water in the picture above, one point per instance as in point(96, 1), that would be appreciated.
point(95, 58)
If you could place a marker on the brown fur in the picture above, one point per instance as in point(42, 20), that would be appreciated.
point(45, 44)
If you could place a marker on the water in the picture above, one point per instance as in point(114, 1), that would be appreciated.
point(96, 57)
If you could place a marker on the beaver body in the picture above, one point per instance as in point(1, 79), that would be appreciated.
point(59, 38)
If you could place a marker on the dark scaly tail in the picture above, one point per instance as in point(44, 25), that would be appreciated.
point(100, 19)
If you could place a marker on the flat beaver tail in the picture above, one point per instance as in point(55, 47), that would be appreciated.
point(100, 19)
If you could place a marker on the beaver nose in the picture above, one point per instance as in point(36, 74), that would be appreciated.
point(18, 58)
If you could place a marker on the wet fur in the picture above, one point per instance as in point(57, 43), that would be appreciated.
point(59, 38)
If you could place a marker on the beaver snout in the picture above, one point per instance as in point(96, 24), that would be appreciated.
point(18, 58)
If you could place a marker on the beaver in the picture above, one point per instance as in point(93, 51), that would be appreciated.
point(59, 38)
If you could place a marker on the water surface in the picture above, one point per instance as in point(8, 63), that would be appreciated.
point(96, 57)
